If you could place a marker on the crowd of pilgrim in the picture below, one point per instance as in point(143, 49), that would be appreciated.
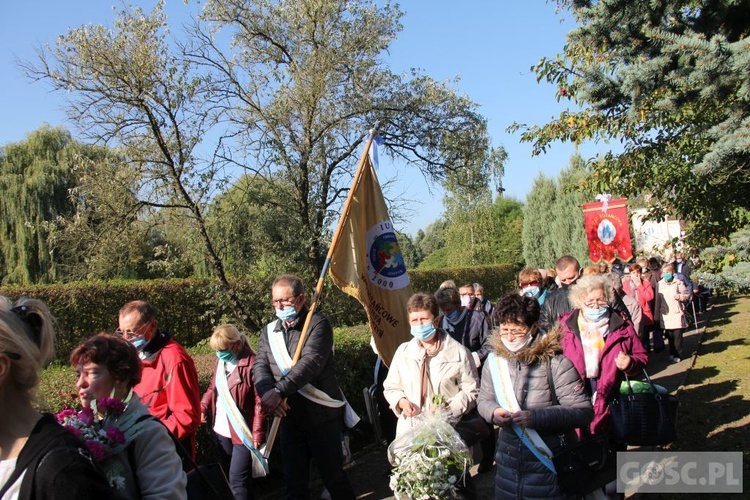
point(545, 358)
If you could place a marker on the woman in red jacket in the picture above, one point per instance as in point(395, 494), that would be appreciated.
point(234, 405)
point(642, 291)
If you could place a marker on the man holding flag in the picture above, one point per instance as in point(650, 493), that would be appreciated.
point(303, 391)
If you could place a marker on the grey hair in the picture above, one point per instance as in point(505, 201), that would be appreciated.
point(586, 284)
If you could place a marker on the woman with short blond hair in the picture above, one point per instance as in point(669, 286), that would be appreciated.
point(234, 371)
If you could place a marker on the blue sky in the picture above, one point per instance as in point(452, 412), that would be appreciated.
point(490, 44)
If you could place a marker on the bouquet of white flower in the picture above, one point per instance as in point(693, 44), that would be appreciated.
point(428, 459)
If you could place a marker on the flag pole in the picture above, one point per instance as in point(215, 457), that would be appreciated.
point(321, 279)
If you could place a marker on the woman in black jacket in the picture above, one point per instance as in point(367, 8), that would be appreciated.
point(39, 459)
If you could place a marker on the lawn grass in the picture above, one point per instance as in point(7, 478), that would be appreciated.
point(714, 410)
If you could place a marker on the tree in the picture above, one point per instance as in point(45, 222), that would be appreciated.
point(283, 90)
point(35, 177)
point(668, 80)
point(568, 230)
point(553, 223)
point(468, 199)
point(305, 84)
point(538, 246)
point(506, 245)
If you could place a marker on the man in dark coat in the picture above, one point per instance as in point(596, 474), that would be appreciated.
point(304, 394)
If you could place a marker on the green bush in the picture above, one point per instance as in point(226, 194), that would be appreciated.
point(190, 309)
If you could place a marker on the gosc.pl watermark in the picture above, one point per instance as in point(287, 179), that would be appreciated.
point(679, 472)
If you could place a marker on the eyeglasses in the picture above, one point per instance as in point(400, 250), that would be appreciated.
point(284, 301)
point(130, 333)
point(513, 333)
point(595, 305)
point(529, 283)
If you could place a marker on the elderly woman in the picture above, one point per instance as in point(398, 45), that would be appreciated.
point(39, 459)
point(146, 465)
point(601, 344)
point(516, 395)
point(671, 297)
point(430, 364)
point(234, 407)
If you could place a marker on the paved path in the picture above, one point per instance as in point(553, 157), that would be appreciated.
point(369, 474)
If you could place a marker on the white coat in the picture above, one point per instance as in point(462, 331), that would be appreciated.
point(452, 373)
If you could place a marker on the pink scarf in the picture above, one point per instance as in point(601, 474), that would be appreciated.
point(592, 340)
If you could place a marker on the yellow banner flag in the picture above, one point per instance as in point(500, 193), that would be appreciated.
point(367, 262)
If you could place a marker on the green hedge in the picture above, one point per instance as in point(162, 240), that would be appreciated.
point(190, 309)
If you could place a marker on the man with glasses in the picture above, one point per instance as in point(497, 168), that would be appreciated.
point(169, 381)
point(304, 394)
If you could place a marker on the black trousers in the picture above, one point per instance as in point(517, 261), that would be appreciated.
point(322, 445)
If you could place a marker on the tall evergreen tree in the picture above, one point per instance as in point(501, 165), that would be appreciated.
point(567, 229)
point(538, 218)
point(669, 81)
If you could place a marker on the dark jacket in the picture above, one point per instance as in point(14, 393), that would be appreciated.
point(519, 473)
point(65, 469)
point(243, 392)
point(472, 331)
point(555, 304)
point(315, 366)
point(621, 338)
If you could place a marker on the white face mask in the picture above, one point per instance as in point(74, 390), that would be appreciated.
point(518, 344)
point(465, 300)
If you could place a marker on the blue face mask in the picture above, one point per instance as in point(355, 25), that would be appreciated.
point(530, 291)
point(595, 314)
point(287, 314)
point(226, 356)
point(667, 276)
point(423, 332)
point(138, 342)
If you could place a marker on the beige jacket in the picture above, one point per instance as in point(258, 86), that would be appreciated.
point(670, 304)
point(452, 373)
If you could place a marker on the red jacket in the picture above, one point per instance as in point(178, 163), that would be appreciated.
point(169, 387)
point(644, 294)
point(242, 390)
point(621, 337)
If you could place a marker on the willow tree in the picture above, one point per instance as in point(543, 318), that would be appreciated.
point(35, 179)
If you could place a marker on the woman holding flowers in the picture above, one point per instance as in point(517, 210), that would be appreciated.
point(534, 394)
point(135, 450)
point(432, 373)
point(233, 406)
point(38, 458)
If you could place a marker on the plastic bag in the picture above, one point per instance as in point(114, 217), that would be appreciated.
point(640, 387)
point(429, 458)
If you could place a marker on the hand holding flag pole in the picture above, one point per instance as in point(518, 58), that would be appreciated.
point(266, 450)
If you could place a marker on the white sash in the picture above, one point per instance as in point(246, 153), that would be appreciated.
point(506, 398)
point(260, 466)
point(284, 362)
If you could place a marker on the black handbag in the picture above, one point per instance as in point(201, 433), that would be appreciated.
point(584, 465)
point(645, 419)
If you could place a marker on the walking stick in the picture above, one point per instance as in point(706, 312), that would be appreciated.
point(319, 287)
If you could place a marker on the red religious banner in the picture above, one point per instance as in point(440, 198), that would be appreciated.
point(607, 229)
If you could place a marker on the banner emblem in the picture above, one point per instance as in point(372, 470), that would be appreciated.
point(607, 230)
point(385, 263)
